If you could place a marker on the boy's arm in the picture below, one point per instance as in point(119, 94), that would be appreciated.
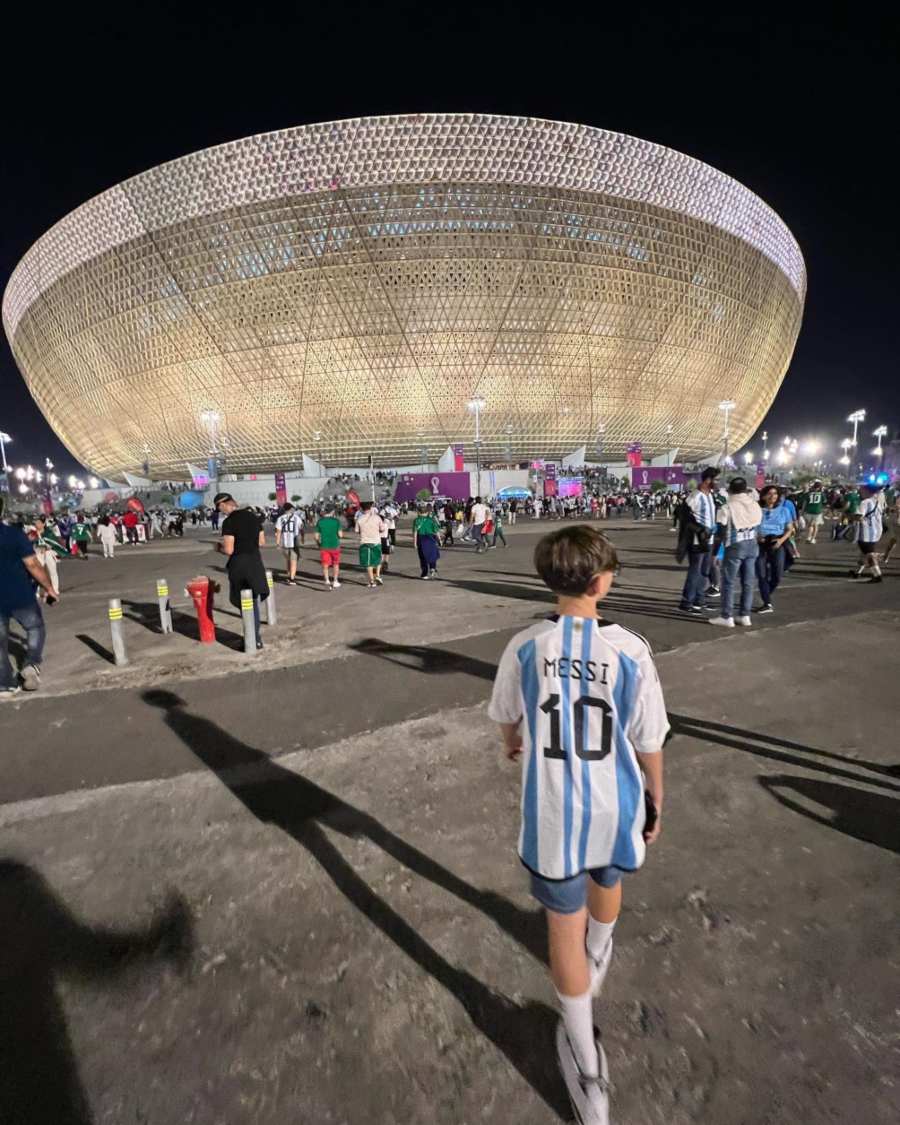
point(512, 739)
point(652, 766)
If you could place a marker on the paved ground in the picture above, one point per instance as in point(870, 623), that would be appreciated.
point(283, 888)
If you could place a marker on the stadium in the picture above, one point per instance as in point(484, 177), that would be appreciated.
point(344, 290)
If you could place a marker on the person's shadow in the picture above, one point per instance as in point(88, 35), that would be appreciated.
point(421, 658)
point(871, 817)
point(41, 942)
point(276, 795)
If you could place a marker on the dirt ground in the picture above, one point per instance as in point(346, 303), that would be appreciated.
point(284, 889)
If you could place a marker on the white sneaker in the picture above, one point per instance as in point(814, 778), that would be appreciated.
point(743, 621)
point(31, 677)
point(599, 969)
point(727, 622)
point(336, 584)
point(378, 580)
point(589, 1096)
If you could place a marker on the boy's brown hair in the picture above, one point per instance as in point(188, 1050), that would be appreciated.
point(569, 558)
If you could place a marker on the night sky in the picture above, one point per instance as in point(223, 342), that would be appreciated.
point(801, 112)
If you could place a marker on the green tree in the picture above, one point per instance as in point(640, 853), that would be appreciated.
point(295, 497)
point(273, 495)
point(658, 486)
point(423, 495)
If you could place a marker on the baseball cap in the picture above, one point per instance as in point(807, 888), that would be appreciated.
point(220, 497)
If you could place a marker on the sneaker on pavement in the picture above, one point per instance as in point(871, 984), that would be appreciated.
point(336, 584)
point(727, 622)
point(425, 577)
point(745, 621)
point(589, 1096)
point(378, 580)
point(31, 677)
point(767, 608)
point(9, 692)
point(713, 592)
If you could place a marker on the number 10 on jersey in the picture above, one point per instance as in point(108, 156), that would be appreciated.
point(556, 750)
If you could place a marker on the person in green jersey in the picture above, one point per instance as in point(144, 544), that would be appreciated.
point(426, 530)
point(329, 536)
point(81, 536)
point(814, 510)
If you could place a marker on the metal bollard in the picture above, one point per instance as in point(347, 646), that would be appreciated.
point(248, 620)
point(117, 630)
point(162, 596)
point(271, 610)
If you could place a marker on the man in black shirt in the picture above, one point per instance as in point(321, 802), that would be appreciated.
point(242, 537)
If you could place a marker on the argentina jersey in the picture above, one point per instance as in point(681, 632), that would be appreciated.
point(589, 699)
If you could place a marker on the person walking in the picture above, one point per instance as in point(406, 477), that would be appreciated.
point(372, 530)
point(814, 511)
point(20, 571)
point(498, 528)
point(426, 530)
point(81, 536)
point(871, 529)
point(242, 537)
point(578, 700)
point(287, 536)
point(738, 519)
point(695, 542)
point(106, 534)
point(49, 548)
point(774, 530)
point(478, 516)
point(328, 537)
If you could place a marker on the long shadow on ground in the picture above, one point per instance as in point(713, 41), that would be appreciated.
point(275, 795)
point(761, 745)
point(42, 943)
point(871, 817)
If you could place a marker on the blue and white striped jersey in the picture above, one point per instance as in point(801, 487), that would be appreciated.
point(589, 697)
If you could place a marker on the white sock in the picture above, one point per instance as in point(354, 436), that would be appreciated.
point(579, 1020)
point(599, 935)
point(876, 571)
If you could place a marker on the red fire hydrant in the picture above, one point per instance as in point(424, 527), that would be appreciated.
point(202, 589)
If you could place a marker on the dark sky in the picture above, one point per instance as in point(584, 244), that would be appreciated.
point(800, 109)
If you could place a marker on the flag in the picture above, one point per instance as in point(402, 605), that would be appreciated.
point(458, 460)
point(633, 455)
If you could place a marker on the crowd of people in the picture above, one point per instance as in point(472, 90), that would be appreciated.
point(736, 537)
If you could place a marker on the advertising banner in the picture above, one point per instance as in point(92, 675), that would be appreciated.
point(571, 486)
point(453, 485)
point(760, 474)
point(549, 488)
point(280, 490)
point(673, 476)
point(458, 461)
point(550, 472)
point(634, 454)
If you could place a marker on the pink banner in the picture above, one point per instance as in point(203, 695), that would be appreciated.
point(643, 477)
point(458, 459)
point(280, 489)
point(453, 485)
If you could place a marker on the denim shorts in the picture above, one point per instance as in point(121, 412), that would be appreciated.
point(567, 896)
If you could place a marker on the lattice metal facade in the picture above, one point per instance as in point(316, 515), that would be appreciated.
point(344, 289)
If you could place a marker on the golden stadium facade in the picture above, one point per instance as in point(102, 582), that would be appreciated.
point(345, 289)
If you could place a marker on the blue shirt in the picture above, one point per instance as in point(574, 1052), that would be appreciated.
point(16, 584)
point(775, 521)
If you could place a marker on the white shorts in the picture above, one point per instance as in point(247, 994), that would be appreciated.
point(816, 521)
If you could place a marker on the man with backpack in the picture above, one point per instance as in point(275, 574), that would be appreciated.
point(695, 542)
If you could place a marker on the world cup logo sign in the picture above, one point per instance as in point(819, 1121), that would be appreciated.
point(435, 485)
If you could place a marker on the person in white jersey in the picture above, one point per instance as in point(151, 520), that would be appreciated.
point(288, 527)
point(579, 700)
point(695, 541)
point(871, 529)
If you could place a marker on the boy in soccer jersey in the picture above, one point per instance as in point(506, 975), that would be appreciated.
point(579, 699)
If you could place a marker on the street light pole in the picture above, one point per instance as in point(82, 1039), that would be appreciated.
point(476, 405)
point(856, 417)
point(727, 406)
point(880, 433)
point(4, 440)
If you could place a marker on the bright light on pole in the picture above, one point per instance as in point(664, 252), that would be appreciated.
point(880, 433)
point(748, 457)
point(476, 405)
point(846, 445)
point(71, 481)
point(856, 417)
point(5, 440)
point(93, 482)
point(727, 405)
